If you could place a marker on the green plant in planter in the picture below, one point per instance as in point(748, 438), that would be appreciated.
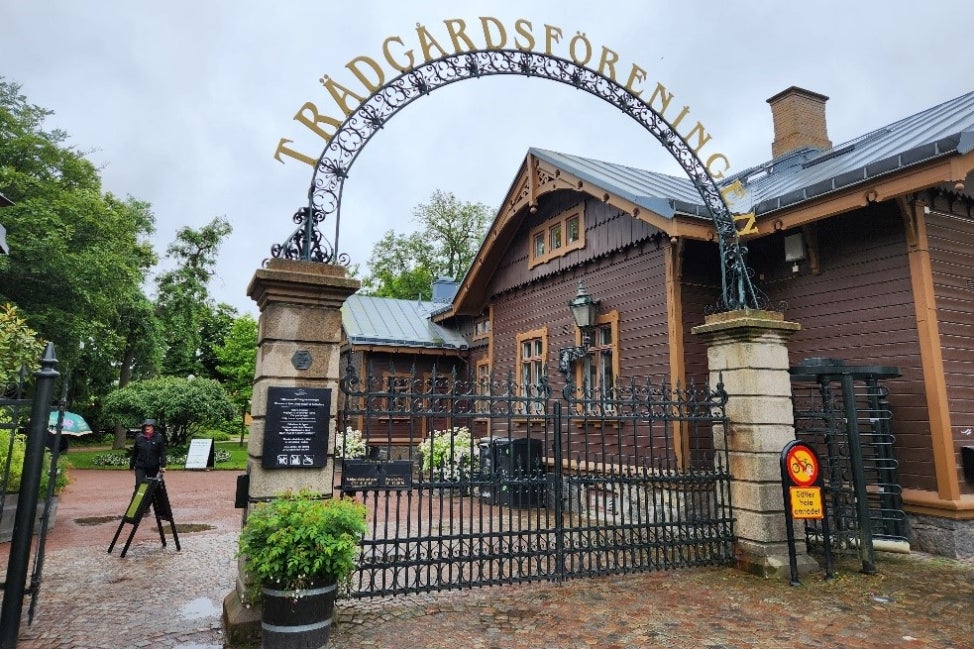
point(301, 540)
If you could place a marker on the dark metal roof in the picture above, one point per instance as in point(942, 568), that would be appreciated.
point(370, 320)
point(945, 129)
point(653, 191)
point(4, 201)
point(941, 130)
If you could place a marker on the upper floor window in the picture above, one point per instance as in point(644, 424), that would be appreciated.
point(558, 236)
point(481, 328)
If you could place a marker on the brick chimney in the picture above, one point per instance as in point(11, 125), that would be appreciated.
point(799, 121)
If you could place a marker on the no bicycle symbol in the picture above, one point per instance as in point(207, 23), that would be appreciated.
point(802, 466)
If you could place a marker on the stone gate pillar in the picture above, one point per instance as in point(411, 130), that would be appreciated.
point(747, 351)
point(298, 338)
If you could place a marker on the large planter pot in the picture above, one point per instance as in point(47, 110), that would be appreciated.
point(10, 515)
point(297, 619)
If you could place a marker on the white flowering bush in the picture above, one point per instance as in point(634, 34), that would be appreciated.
point(350, 445)
point(448, 454)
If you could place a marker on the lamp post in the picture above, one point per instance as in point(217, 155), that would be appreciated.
point(585, 310)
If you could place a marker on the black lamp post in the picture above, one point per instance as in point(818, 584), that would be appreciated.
point(585, 310)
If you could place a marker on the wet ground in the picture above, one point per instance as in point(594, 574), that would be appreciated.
point(160, 597)
point(155, 596)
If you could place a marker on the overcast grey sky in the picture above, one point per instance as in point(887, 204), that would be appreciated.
point(182, 103)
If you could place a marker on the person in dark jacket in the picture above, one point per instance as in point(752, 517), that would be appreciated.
point(148, 457)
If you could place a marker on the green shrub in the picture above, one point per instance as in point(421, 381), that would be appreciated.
point(17, 452)
point(299, 540)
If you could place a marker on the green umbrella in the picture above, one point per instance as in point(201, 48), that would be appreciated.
point(73, 424)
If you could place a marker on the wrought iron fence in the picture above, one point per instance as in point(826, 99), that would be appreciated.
point(473, 484)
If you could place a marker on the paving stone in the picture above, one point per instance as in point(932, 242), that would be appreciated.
point(90, 599)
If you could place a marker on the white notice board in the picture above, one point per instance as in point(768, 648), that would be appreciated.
point(200, 455)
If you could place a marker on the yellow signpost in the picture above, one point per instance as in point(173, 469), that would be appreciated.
point(806, 503)
point(801, 488)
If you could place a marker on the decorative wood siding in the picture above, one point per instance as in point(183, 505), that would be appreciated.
point(606, 230)
point(700, 290)
point(859, 309)
point(620, 266)
point(951, 241)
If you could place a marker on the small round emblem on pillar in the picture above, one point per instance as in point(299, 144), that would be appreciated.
point(301, 359)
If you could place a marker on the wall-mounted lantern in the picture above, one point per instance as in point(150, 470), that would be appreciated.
point(585, 310)
point(795, 250)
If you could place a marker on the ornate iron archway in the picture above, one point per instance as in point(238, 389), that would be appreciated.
point(331, 170)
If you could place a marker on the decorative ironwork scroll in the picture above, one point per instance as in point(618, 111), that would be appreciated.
point(331, 170)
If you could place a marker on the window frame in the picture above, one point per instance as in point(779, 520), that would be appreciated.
point(544, 234)
point(482, 387)
point(592, 359)
point(482, 327)
point(538, 362)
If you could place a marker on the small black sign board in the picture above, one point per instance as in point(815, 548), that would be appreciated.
point(366, 475)
point(801, 489)
point(151, 492)
point(296, 428)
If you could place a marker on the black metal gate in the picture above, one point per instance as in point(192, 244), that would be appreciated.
point(471, 484)
point(844, 412)
point(23, 425)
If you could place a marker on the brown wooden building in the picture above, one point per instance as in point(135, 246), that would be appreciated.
point(868, 245)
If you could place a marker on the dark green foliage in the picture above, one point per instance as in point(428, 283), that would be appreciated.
point(299, 540)
point(180, 406)
point(78, 256)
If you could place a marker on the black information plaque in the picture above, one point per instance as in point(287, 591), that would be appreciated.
point(366, 475)
point(296, 428)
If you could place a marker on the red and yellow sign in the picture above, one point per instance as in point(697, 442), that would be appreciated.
point(802, 466)
point(806, 502)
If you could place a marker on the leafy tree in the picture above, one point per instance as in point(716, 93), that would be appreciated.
point(183, 303)
point(216, 325)
point(405, 265)
point(19, 345)
point(78, 257)
point(180, 406)
point(237, 358)
point(401, 266)
point(142, 348)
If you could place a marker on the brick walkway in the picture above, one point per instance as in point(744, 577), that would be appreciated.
point(158, 597)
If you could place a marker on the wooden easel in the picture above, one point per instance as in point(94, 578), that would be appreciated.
point(151, 492)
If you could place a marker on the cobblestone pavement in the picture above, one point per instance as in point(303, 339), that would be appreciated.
point(158, 597)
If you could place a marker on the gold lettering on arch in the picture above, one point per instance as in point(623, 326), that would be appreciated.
point(367, 74)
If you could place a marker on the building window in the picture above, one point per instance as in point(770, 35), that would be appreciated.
point(397, 388)
point(598, 370)
point(554, 233)
point(601, 375)
point(538, 245)
point(481, 328)
point(483, 387)
point(532, 352)
point(558, 236)
point(573, 229)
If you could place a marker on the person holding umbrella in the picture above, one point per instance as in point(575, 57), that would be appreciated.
point(148, 457)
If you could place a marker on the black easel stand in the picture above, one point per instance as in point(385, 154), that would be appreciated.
point(151, 492)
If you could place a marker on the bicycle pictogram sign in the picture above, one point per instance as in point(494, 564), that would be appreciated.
point(802, 466)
